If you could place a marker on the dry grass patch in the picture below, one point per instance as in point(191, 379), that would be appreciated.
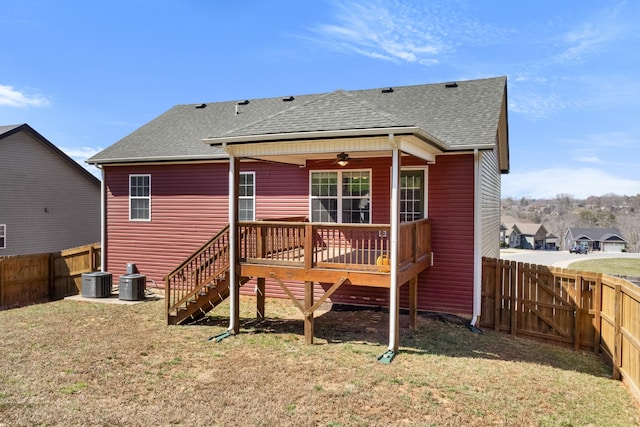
point(67, 363)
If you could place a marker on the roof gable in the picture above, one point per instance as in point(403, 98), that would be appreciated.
point(6, 131)
point(337, 110)
point(596, 234)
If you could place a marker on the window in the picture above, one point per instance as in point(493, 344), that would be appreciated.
point(412, 195)
point(341, 196)
point(140, 197)
point(3, 236)
point(247, 197)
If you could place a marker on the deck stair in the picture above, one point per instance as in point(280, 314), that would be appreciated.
point(200, 283)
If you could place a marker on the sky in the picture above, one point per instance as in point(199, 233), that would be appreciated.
point(84, 74)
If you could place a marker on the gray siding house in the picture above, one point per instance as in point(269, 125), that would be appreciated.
point(48, 202)
point(596, 239)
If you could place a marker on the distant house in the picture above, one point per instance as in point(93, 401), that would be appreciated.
point(526, 236)
point(48, 202)
point(596, 239)
point(370, 171)
point(552, 242)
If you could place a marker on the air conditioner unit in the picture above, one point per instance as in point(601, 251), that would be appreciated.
point(96, 284)
point(132, 287)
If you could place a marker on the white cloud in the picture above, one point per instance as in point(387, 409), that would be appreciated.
point(580, 183)
point(11, 97)
point(400, 31)
point(591, 36)
point(81, 154)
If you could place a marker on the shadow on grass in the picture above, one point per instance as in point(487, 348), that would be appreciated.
point(437, 334)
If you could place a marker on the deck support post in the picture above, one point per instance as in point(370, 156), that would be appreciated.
point(234, 268)
point(413, 303)
point(260, 297)
point(308, 314)
point(394, 303)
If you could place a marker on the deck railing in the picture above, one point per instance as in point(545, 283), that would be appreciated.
point(196, 272)
point(329, 245)
point(352, 247)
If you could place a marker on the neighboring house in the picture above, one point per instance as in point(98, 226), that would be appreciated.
point(413, 169)
point(527, 236)
point(48, 202)
point(596, 239)
point(552, 242)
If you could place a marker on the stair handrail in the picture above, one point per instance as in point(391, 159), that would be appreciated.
point(173, 301)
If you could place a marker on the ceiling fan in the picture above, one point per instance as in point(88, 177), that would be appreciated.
point(341, 159)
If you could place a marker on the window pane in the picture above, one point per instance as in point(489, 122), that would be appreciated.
point(411, 195)
point(245, 209)
point(246, 185)
point(355, 183)
point(324, 210)
point(140, 209)
point(355, 211)
point(324, 184)
point(139, 186)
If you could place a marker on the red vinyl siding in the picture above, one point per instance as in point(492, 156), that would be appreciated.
point(448, 285)
point(190, 205)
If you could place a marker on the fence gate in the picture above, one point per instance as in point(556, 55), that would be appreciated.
point(545, 307)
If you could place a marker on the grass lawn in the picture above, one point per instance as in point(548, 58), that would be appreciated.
point(612, 266)
point(69, 363)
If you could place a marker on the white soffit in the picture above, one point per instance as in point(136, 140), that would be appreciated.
point(297, 152)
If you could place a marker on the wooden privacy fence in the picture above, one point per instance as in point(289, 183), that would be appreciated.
point(588, 311)
point(28, 279)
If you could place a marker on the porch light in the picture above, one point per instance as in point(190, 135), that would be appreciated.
point(343, 159)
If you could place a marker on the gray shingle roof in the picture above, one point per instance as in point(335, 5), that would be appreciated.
point(596, 234)
point(466, 115)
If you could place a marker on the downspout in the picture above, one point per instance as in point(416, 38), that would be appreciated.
point(103, 221)
point(477, 240)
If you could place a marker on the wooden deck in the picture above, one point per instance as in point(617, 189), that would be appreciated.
point(327, 252)
point(297, 251)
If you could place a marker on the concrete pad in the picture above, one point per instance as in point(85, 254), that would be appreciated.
point(114, 299)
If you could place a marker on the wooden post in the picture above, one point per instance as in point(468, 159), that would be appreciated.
point(578, 307)
point(308, 317)
point(309, 242)
point(413, 303)
point(260, 298)
point(497, 316)
point(597, 307)
point(617, 340)
point(51, 276)
point(519, 279)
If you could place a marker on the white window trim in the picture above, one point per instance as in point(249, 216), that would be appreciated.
point(3, 227)
point(339, 196)
point(139, 197)
point(425, 196)
point(252, 198)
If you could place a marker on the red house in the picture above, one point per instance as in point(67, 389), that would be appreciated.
point(348, 195)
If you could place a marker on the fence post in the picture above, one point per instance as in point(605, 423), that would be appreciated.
point(577, 336)
point(597, 307)
point(1, 285)
point(497, 291)
point(617, 340)
point(52, 276)
point(514, 301)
